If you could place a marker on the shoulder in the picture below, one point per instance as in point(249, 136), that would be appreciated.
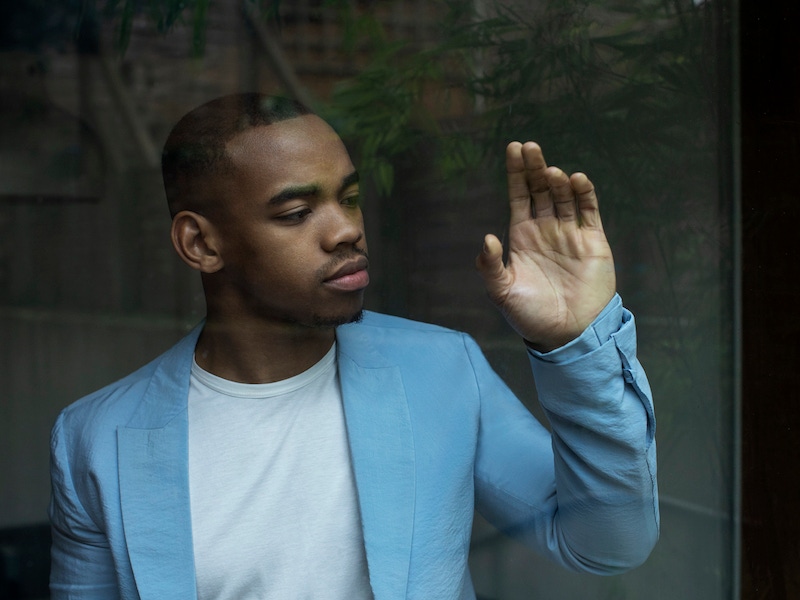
point(94, 419)
point(115, 404)
point(380, 339)
point(391, 331)
point(379, 321)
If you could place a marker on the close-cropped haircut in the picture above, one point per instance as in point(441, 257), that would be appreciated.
point(195, 148)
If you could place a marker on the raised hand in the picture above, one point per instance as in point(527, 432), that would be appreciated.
point(560, 272)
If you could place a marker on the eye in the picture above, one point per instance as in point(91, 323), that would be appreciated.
point(295, 216)
point(352, 200)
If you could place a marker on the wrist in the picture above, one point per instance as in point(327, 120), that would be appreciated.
point(592, 337)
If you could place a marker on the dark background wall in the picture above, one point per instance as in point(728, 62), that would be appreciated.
point(770, 101)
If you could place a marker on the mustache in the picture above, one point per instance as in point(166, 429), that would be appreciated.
point(338, 259)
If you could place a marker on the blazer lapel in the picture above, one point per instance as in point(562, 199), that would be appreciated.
point(154, 479)
point(382, 449)
point(154, 482)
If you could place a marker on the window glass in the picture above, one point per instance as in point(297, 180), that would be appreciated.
point(426, 95)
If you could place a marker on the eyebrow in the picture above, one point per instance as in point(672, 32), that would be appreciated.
point(349, 180)
point(313, 189)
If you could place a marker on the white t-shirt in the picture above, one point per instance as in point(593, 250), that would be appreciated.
point(273, 498)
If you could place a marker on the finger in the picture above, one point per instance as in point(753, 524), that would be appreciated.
point(539, 187)
point(563, 194)
point(491, 268)
point(519, 195)
point(588, 206)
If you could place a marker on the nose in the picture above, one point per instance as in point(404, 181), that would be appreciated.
point(343, 225)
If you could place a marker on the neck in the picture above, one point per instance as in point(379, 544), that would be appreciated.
point(249, 351)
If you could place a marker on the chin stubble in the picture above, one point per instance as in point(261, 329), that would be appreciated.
point(324, 322)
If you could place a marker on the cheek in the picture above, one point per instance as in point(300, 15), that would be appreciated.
point(287, 267)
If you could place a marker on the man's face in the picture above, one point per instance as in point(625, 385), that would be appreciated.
point(290, 226)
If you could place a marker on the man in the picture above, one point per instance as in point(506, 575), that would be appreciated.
point(292, 446)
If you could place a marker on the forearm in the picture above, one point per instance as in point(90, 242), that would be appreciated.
point(598, 402)
point(596, 510)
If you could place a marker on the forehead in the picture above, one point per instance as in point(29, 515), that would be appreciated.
point(296, 151)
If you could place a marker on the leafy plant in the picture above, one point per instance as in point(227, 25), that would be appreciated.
point(606, 87)
point(627, 92)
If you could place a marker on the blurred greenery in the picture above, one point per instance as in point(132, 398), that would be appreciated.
point(33, 25)
point(626, 91)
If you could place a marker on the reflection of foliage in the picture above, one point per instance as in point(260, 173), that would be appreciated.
point(380, 109)
point(622, 92)
point(35, 24)
point(164, 14)
point(382, 113)
point(625, 91)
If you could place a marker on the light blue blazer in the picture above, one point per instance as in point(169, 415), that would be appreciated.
point(434, 433)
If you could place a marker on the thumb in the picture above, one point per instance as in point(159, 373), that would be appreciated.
point(490, 265)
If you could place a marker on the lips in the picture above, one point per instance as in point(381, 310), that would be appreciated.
point(351, 276)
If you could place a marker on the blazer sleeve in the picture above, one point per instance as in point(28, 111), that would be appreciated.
point(81, 563)
point(585, 493)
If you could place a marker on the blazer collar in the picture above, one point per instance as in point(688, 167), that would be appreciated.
point(382, 451)
point(153, 452)
point(154, 478)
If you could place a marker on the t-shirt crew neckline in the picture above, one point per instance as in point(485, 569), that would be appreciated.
point(264, 390)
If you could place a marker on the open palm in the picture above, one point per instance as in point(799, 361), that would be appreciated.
point(560, 271)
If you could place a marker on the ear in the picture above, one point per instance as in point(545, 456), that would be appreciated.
point(196, 241)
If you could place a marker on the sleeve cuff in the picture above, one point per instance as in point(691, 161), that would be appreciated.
point(595, 335)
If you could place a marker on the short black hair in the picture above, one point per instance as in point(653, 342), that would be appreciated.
point(195, 148)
